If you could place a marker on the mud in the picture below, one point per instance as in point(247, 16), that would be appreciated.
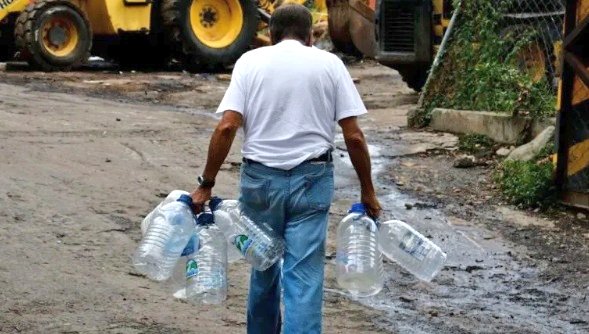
point(87, 154)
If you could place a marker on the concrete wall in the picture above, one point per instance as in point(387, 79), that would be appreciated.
point(500, 127)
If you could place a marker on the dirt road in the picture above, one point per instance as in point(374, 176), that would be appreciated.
point(86, 155)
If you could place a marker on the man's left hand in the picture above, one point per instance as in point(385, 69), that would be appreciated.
point(200, 196)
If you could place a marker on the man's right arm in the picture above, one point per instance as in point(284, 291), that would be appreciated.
point(358, 151)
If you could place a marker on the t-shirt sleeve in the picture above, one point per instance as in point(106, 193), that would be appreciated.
point(234, 98)
point(348, 102)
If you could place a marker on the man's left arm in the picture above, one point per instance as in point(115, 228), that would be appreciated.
point(219, 147)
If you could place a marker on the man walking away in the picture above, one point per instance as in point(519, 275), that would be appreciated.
point(288, 98)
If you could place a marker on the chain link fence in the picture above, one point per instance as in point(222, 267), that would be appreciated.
point(499, 56)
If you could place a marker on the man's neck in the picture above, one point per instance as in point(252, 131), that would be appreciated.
point(289, 38)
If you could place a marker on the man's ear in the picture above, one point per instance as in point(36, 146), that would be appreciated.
point(309, 41)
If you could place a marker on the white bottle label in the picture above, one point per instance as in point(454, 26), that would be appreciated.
point(414, 246)
point(191, 268)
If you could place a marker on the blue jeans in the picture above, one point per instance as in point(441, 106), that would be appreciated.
point(296, 204)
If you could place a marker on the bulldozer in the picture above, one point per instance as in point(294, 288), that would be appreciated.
point(61, 34)
point(406, 34)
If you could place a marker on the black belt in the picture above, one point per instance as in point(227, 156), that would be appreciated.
point(325, 157)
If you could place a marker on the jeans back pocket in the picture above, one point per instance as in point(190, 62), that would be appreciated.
point(254, 189)
point(319, 189)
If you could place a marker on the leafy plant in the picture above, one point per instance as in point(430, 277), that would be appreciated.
point(473, 143)
point(479, 70)
point(527, 183)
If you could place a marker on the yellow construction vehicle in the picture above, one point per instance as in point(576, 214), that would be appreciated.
point(407, 33)
point(61, 34)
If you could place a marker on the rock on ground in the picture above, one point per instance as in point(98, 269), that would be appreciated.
point(504, 151)
point(465, 161)
point(530, 150)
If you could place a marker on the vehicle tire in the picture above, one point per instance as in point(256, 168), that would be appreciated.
point(53, 35)
point(7, 49)
point(338, 19)
point(414, 76)
point(209, 33)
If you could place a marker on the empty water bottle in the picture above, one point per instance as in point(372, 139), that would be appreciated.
point(359, 267)
point(227, 211)
point(167, 234)
point(177, 282)
point(410, 249)
point(206, 269)
point(173, 196)
point(258, 243)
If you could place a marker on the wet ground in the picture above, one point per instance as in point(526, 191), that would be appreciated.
point(497, 272)
point(81, 168)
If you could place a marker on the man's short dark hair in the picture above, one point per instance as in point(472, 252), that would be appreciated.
point(291, 20)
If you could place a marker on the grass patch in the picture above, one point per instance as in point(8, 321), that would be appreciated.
point(528, 184)
point(474, 143)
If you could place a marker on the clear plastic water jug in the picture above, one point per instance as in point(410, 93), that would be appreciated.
point(172, 196)
point(359, 266)
point(206, 268)
point(258, 243)
point(410, 249)
point(226, 212)
point(167, 235)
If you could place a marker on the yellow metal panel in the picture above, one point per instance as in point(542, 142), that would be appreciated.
point(580, 91)
point(438, 30)
point(12, 6)
point(578, 157)
point(582, 10)
point(109, 17)
point(445, 23)
point(438, 9)
point(438, 6)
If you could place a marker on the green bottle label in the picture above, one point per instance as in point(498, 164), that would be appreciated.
point(191, 268)
point(241, 242)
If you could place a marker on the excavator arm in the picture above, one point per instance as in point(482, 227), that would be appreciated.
point(351, 26)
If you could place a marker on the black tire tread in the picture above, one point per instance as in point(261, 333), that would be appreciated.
point(7, 47)
point(24, 36)
point(414, 77)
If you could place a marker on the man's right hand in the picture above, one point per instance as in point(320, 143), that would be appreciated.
point(372, 205)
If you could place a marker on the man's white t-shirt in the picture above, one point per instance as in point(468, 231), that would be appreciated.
point(290, 97)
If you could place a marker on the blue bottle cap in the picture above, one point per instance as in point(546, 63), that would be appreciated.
point(357, 208)
point(186, 199)
point(205, 219)
point(215, 202)
point(192, 246)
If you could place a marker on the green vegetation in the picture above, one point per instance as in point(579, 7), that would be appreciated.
point(528, 184)
point(474, 143)
point(479, 70)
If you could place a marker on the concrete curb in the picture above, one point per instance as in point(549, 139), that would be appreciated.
point(500, 127)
